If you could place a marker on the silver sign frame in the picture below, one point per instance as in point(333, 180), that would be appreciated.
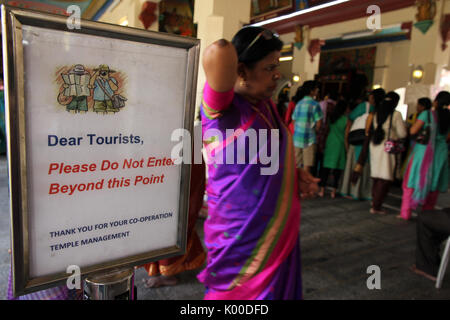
point(12, 21)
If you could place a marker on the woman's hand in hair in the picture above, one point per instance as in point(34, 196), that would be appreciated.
point(220, 62)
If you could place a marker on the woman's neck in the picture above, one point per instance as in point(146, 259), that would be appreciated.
point(242, 92)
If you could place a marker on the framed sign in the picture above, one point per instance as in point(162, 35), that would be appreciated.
point(90, 114)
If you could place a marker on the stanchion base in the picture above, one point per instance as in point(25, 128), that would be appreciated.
point(114, 285)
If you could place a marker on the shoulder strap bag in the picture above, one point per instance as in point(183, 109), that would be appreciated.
point(391, 145)
point(357, 132)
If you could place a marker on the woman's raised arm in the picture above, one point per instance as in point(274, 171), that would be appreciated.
point(220, 62)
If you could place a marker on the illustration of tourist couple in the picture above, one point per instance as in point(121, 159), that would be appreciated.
point(77, 86)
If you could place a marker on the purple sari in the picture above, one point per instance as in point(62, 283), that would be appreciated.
point(252, 229)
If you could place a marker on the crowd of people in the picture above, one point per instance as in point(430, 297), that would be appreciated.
point(368, 146)
point(365, 145)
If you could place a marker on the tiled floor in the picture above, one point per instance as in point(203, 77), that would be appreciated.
point(339, 241)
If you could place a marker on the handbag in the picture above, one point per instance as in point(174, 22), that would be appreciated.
point(356, 137)
point(424, 134)
point(394, 146)
point(357, 132)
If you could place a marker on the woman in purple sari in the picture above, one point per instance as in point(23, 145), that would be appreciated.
point(252, 229)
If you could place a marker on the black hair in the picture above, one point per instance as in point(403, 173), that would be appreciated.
point(378, 96)
point(297, 94)
point(443, 101)
point(338, 111)
point(259, 50)
point(333, 95)
point(305, 90)
point(384, 110)
point(281, 107)
point(425, 102)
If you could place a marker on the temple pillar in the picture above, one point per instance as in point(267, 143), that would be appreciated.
point(217, 19)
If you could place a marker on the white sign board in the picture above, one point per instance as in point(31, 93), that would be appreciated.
point(100, 182)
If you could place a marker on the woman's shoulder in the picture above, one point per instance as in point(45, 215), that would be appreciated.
point(341, 122)
point(400, 124)
point(362, 104)
point(424, 115)
point(230, 114)
point(359, 110)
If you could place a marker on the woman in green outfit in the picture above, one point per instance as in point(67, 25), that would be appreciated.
point(362, 189)
point(334, 154)
point(427, 170)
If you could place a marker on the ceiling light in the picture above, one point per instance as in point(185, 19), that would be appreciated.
point(296, 78)
point(286, 58)
point(417, 74)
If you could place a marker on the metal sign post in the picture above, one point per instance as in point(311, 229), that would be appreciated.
point(115, 285)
